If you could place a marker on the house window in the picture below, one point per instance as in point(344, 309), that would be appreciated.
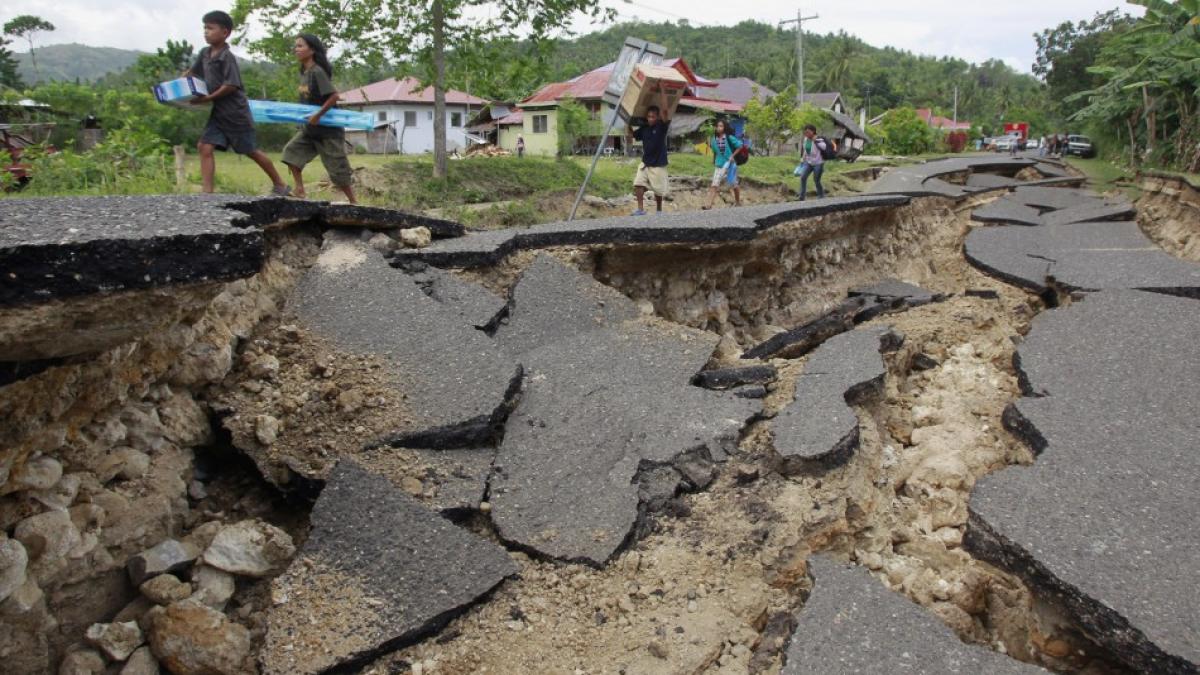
point(410, 118)
point(540, 124)
point(429, 115)
point(456, 119)
point(381, 116)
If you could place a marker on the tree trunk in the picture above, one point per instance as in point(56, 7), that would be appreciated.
point(439, 90)
point(33, 60)
point(1151, 120)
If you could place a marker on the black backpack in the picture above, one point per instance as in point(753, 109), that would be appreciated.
point(830, 149)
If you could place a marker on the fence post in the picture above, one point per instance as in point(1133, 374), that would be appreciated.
point(180, 168)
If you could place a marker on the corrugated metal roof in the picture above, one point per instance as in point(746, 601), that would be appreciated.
point(515, 117)
point(739, 90)
point(822, 99)
point(406, 90)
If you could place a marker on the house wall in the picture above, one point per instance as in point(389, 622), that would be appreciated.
point(542, 143)
point(507, 137)
point(416, 139)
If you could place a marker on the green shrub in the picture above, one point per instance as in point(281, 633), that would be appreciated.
point(126, 162)
point(907, 134)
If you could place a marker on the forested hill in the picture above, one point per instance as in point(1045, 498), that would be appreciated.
point(73, 62)
point(833, 62)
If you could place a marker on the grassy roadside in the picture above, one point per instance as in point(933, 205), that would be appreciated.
point(518, 189)
point(1104, 176)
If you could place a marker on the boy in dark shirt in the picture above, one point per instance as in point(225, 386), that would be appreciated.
point(230, 125)
point(652, 172)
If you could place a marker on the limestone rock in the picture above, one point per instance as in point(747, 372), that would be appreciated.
point(416, 237)
point(82, 662)
point(264, 367)
point(165, 589)
point(383, 243)
point(131, 463)
point(250, 548)
point(191, 639)
point(168, 556)
point(117, 640)
point(47, 537)
point(37, 473)
point(214, 587)
point(13, 563)
point(266, 429)
point(62, 494)
point(142, 662)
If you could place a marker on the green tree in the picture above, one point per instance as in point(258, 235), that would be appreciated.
point(1067, 51)
point(166, 63)
point(418, 34)
point(10, 77)
point(905, 133)
point(574, 122)
point(771, 123)
point(25, 27)
point(1150, 76)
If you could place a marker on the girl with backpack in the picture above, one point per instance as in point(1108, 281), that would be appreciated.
point(812, 161)
point(724, 144)
point(329, 143)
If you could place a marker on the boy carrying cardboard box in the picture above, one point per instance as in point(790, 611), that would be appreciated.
point(230, 125)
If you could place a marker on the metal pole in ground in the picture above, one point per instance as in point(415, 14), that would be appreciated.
point(612, 122)
point(799, 21)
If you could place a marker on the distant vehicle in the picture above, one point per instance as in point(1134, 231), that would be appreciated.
point(1005, 143)
point(1080, 146)
point(1033, 144)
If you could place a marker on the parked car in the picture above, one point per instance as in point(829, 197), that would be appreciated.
point(1033, 144)
point(1005, 143)
point(1080, 146)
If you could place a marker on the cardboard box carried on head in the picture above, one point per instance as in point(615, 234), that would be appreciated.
point(645, 84)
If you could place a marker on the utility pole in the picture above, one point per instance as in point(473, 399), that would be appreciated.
point(956, 107)
point(799, 21)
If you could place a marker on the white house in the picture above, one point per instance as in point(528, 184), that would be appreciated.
point(403, 112)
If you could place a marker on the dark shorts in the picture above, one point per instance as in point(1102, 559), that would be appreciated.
point(240, 141)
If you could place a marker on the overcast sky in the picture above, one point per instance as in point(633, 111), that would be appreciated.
point(974, 31)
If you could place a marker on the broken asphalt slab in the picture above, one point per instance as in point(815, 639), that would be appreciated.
point(476, 305)
point(607, 400)
point(1051, 198)
point(803, 339)
point(926, 178)
point(479, 249)
point(455, 380)
point(852, 624)
point(1081, 256)
point(894, 289)
point(820, 423)
point(375, 218)
point(1090, 213)
point(59, 248)
point(596, 409)
point(1008, 211)
point(552, 301)
point(1103, 521)
point(380, 570)
point(863, 304)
